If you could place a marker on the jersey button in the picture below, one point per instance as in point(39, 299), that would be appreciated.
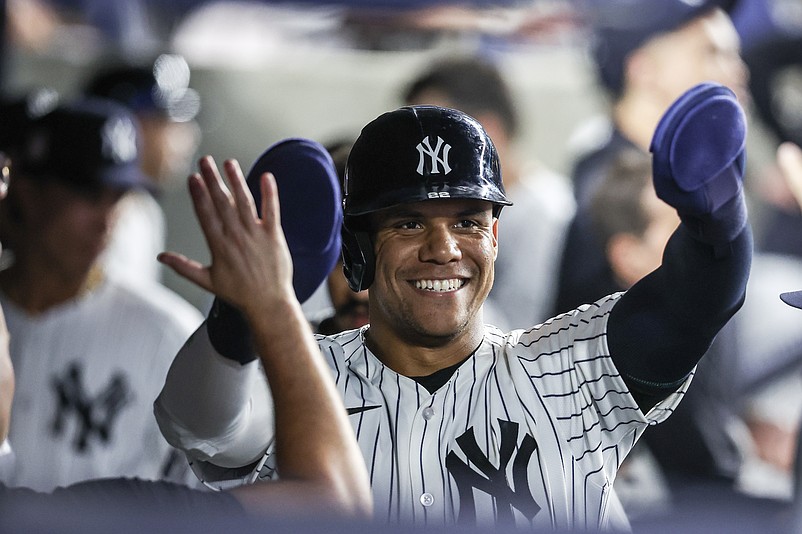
point(427, 499)
point(428, 413)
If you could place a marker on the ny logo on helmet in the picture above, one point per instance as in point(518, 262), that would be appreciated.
point(437, 156)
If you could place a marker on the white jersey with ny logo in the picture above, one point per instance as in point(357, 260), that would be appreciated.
point(86, 373)
point(530, 430)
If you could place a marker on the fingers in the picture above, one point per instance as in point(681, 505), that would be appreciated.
point(221, 198)
point(271, 211)
point(243, 199)
point(189, 269)
point(242, 246)
point(205, 211)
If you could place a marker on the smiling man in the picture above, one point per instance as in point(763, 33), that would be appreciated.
point(458, 421)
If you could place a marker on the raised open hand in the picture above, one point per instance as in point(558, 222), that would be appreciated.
point(251, 266)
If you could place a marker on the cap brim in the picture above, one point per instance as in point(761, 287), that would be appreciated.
point(792, 298)
point(311, 207)
point(126, 178)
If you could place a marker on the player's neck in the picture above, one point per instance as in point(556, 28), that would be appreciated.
point(410, 358)
point(37, 290)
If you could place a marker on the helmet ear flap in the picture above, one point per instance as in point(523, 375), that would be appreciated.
point(358, 260)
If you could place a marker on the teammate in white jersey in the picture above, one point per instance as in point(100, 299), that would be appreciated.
point(459, 422)
point(89, 352)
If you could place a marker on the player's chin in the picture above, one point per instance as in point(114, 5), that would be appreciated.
point(442, 324)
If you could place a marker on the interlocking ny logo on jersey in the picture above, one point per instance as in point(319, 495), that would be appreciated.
point(94, 416)
point(492, 480)
point(437, 156)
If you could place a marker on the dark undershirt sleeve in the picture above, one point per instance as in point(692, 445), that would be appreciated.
point(665, 323)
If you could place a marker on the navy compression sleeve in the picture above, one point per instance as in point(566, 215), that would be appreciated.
point(666, 322)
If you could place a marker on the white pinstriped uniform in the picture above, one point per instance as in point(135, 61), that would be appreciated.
point(547, 403)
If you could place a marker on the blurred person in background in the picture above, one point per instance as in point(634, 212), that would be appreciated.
point(727, 439)
point(89, 350)
point(647, 53)
point(165, 107)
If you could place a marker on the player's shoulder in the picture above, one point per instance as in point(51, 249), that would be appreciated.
point(587, 319)
point(344, 342)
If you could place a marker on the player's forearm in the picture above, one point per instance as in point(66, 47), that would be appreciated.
point(213, 408)
point(666, 322)
point(315, 446)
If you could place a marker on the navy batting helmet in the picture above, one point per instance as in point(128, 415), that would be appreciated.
point(408, 155)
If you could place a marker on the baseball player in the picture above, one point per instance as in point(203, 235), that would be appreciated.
point(459, 422)
point(89, 350)
point(164, 106)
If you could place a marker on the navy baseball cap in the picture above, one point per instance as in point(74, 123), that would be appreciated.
point(622, 26)
point(86, 144)
point(161, 88)
point(310, 206)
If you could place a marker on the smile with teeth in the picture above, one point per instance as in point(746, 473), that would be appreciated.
point(440, 286)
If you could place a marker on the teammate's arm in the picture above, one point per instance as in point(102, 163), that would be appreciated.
point(666, 322)
point(319, 462)
point(213, 408)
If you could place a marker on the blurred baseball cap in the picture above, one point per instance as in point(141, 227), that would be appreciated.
point(18, 112)
point(86, 144)
point(161, 88)
point(621, 26)
point(792, 298)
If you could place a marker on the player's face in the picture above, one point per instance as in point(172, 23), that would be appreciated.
point(706, 49)
point(434, 269)
point(644, 253)
point(167, 148)
point(68, 229)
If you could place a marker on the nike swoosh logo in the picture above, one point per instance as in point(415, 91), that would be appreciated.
point(360, 409)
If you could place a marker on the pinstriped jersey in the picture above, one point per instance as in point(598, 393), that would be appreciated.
point(529, 431)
